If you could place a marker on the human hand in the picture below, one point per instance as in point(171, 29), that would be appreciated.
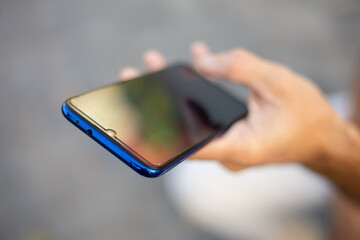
point(289, 119)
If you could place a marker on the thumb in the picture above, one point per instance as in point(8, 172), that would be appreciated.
point(215, 150)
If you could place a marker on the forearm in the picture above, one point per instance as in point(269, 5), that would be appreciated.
point(340, 160)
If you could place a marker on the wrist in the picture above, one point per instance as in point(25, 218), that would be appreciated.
point(340, 142)
point(334, 140)
point(340, 159)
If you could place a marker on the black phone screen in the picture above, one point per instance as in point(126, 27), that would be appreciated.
point(160, 115)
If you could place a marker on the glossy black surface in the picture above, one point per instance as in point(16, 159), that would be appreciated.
point(161, 115)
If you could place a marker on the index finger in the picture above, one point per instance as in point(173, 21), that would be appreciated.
point(265, 78)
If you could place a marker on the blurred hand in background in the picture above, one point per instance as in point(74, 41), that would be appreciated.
point(289, 118)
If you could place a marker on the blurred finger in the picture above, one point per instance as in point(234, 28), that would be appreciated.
point(215, 150)
point(199, 50)
point(240, 66)
point(128, 73)
point(233, 146)
point(154, 61)
point(233, 167)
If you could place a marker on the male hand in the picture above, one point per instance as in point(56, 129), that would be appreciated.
point(289, 118)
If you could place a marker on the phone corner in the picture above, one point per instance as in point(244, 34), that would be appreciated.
point(65, 110)
point(149, 173)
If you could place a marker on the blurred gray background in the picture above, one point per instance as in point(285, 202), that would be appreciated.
point(55, 182)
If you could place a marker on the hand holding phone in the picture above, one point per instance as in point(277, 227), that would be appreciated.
point(157, 120)
point(289, 119)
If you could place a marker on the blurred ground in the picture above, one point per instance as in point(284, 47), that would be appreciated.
point(56, 183)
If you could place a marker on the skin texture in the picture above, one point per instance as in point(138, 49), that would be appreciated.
point(346, 213)
point(289, 119)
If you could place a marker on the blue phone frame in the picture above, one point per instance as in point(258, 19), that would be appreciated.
point(121, 153)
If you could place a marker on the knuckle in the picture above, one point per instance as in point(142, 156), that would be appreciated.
point(241, 57)
point(239, 53)
point(285, 78)
point(240, 64)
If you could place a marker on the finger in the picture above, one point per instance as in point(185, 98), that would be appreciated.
point(254, 103)
point(199, 50)
point(154, 61)
point(128, 73)
point(233, 167)
point(240, 66)
point(233, 146)
point(215, 150)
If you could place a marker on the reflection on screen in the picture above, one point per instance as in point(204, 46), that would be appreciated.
point(160, 115)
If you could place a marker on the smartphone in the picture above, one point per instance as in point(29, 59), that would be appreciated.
point(155, 121)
